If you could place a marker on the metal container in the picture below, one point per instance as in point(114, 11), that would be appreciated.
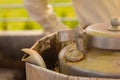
point(91, 53)
point(96, 52)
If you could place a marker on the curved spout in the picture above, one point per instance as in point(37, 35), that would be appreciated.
point(33, 57)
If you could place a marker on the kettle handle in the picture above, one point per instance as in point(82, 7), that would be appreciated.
point(76, 35)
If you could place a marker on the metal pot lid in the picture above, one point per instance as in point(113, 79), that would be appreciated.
point(104, 35)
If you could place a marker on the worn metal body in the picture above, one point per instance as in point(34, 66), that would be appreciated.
point(72, 58)
point(38, 73)
point(97, 63)
point(35, 72)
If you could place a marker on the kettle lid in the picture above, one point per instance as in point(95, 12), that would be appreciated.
point(104, 35)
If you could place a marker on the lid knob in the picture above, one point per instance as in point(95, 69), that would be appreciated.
point(115, 24)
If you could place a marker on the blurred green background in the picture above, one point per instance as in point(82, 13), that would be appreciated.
point(17, 18)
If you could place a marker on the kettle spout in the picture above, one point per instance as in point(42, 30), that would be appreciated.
point(33, 57)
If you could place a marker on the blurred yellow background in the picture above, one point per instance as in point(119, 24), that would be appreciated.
point(13, 15)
